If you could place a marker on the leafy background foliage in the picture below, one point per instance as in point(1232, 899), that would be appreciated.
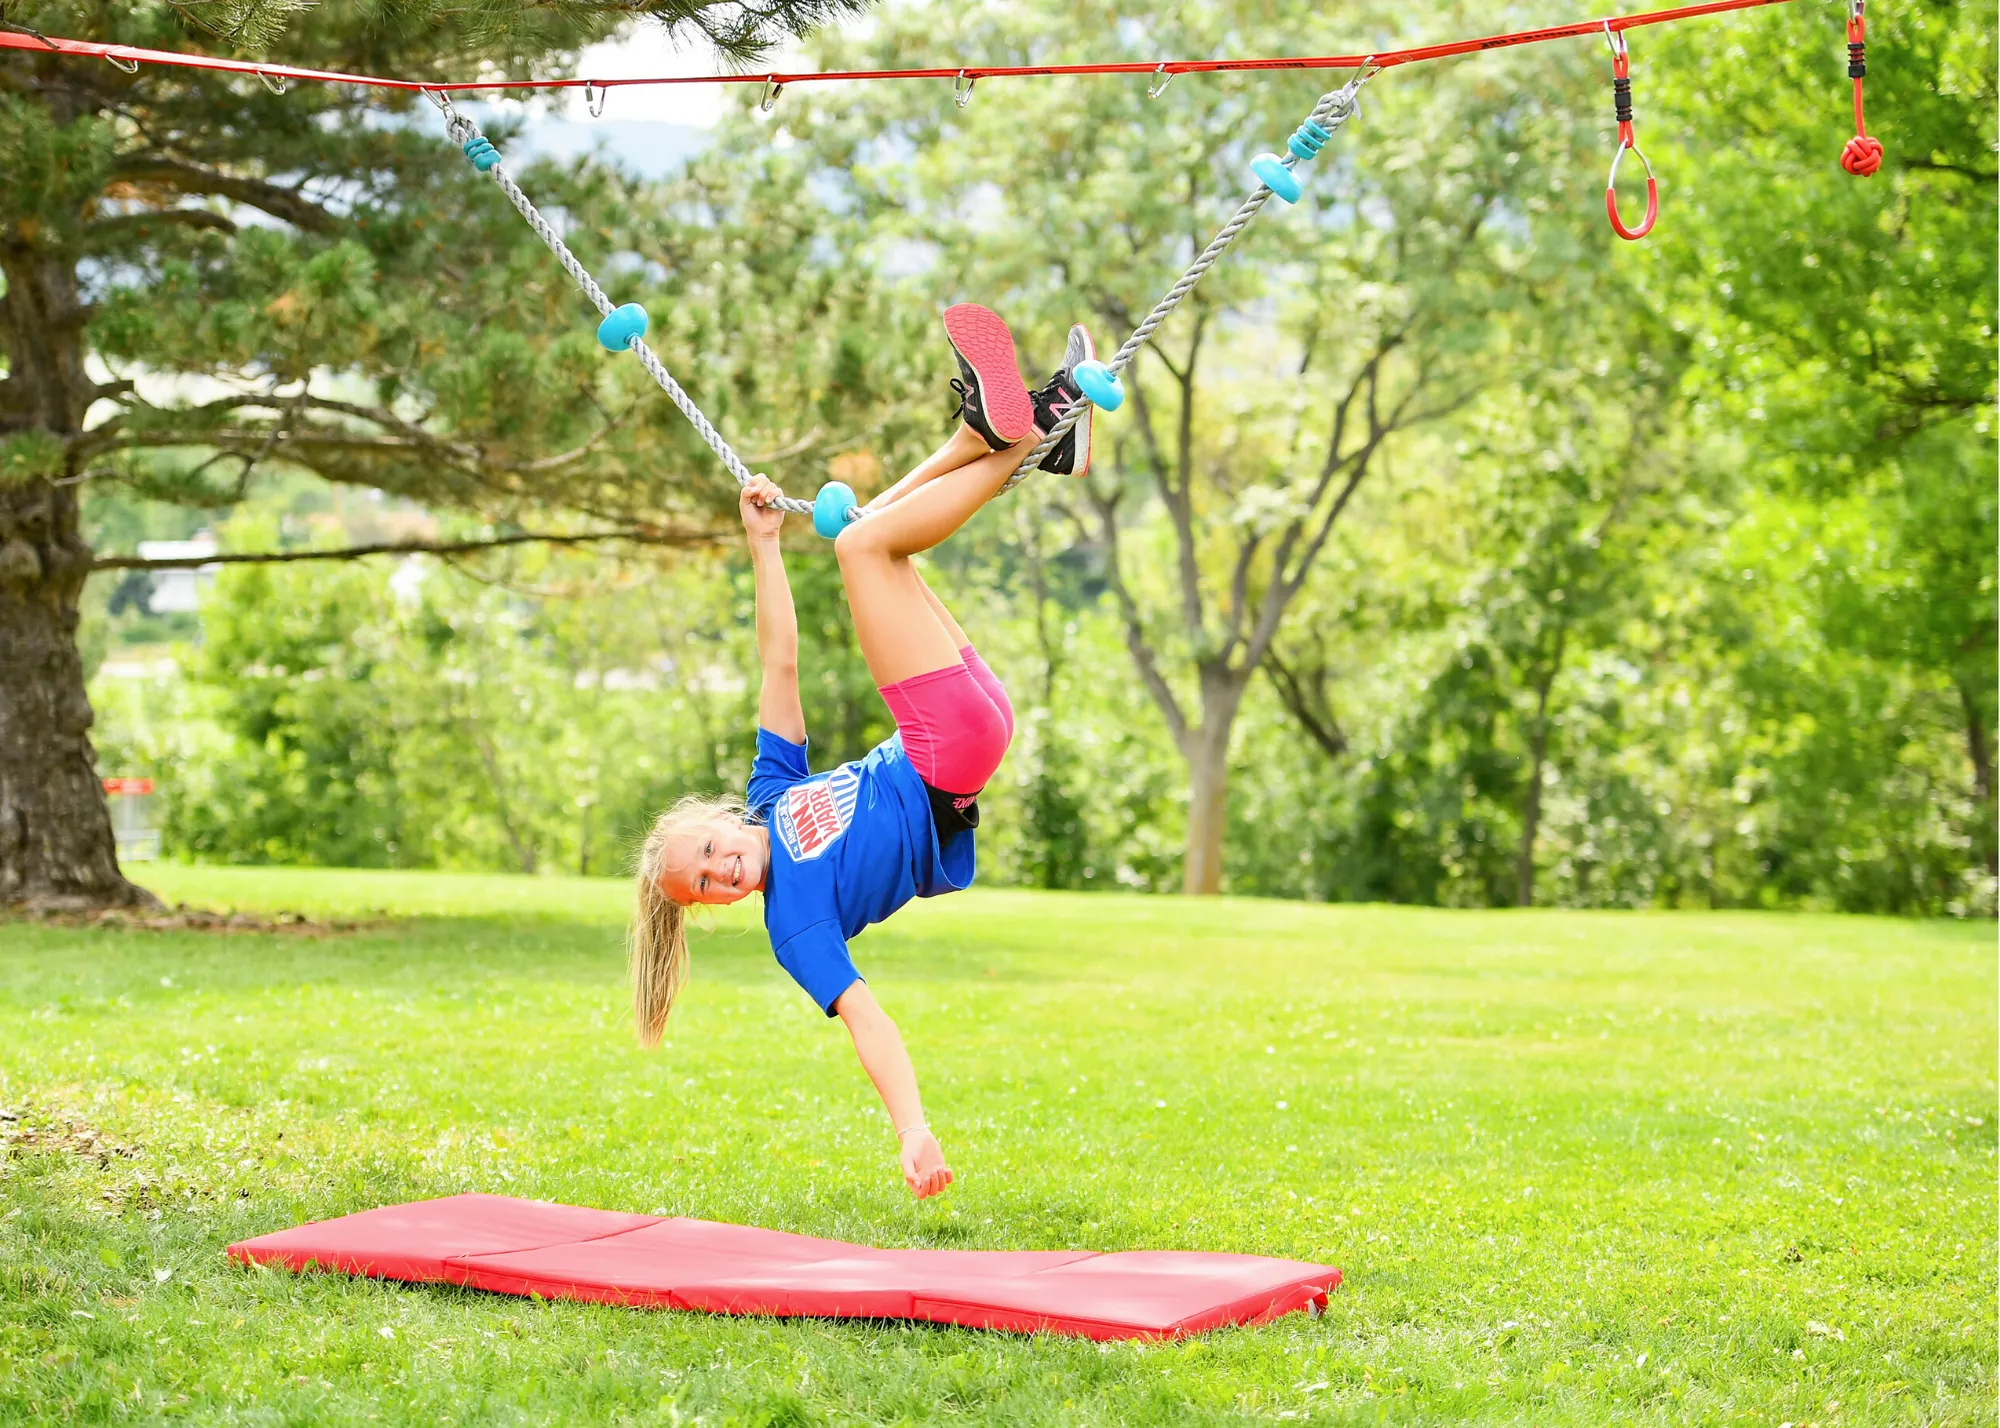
point(1687, 589)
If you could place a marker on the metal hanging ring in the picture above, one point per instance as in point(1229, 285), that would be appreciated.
point(961, 89)
point(772, 89)
point(593, 98)
point(1621, 69)
point(276, 86)
point(1611, 196)
point(1162, 77)
point(128, 66)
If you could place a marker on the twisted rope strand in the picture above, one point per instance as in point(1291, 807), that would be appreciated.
point(1332, 111)
point(462, 130)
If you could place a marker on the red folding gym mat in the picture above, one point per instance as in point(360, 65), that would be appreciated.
point(513, 1246)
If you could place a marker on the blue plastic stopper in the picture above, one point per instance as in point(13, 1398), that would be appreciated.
point(620, 326)
point(480, 150)
point(830, 508)
point(1099, 383)
point(1308, 139)
point(1271, 170)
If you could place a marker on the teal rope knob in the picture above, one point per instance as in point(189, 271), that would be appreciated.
point(831, 507)
point(480, 150)
point(1308, 139)
point(1272, 173)
point(1100, 385)
point(620, 326)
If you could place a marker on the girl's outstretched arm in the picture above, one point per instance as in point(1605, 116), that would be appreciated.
point(778, 707)
point(880, 1047)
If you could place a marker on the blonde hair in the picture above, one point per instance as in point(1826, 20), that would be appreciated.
point(657, 945)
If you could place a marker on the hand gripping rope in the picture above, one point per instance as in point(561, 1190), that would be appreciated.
point(625, 327)
point(1863, 155)
point(1621, 94)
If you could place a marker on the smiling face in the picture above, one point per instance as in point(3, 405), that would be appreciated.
point(718, 860)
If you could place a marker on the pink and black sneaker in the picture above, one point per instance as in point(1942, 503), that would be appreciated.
point(1071, 456)
point(993, 400)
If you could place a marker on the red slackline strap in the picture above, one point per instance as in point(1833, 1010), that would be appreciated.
point(126, 56)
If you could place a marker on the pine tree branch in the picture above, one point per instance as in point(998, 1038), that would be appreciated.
point(287, 204)
point(96, 234)
point(638, 535)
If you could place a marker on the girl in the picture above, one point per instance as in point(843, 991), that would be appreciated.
point(837, 852)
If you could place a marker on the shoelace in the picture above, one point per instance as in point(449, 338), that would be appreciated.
point(1052, 403)
point(964, 400)
point(1058, 397)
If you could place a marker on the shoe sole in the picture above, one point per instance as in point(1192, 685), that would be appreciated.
point(982, 340)
point(1082, 428)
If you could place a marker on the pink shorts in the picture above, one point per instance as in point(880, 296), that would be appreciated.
point(956, 723)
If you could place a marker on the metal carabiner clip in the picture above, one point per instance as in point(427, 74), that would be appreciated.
point(1162, 77)
point(276, 86)
point(125, 66)
point(961, 89)
point(772, 89)
point(453, 120)
point(594, 95)
point(1347, 99)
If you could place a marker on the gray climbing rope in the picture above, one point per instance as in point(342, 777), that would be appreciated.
point(1333, 110)
point(465, 133)
point(625, 326)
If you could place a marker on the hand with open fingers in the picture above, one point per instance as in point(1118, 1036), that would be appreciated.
point(761, 516)
point(924, 1170)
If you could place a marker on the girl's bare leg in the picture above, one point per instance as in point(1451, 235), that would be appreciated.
point(896, 620)
point(951, 627)
point(964, 447)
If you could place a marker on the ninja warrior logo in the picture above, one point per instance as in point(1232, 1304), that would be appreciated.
point(812, 816)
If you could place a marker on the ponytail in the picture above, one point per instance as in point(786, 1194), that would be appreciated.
point(659, 959)
point(657, 945)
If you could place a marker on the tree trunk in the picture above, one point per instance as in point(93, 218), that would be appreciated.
point(1208, 814)
point(1206, 749)
point(56, 847)
point(1977, 745)
point(57, 851)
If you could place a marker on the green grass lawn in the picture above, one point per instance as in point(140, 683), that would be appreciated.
point(1578, 1168)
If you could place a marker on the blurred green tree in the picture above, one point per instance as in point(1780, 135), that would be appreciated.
point(1849, 345)
point(1411, 279)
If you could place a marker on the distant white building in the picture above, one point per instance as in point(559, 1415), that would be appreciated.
point(177, 592)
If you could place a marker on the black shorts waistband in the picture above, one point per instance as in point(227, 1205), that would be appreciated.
point(952, 813)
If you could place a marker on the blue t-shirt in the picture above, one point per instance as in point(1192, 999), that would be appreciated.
point(847, 849)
